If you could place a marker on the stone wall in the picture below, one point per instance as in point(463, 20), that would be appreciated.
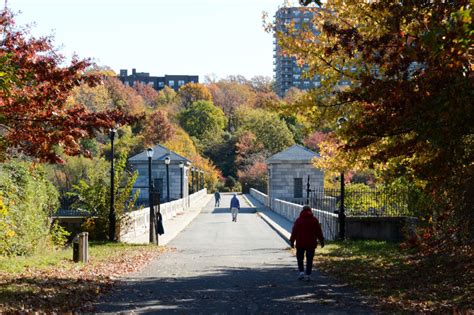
point(281, 180)
point(136, 224)
point(261, 197)
point(394, 229)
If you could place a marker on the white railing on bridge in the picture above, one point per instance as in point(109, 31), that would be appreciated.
point(260, 196)
point(135, 225)
point(291, 211)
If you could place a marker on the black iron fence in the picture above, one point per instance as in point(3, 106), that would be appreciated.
point(359, 202)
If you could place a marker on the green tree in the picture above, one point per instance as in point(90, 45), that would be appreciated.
point(222, 153)
point(269, 129)
point(203, 121)
point(92, 195)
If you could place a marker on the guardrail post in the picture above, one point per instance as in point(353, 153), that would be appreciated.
point(80, 247)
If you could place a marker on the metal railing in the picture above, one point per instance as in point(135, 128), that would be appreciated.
point(360, 202)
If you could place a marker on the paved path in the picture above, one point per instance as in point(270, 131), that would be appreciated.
point(221, 267)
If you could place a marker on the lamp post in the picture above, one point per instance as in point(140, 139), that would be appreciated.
point(195, 179)
point(202, 179)
point(192, 180)
point(198, 184)
point(152, 238)
point(167, 162)
point(112, 219)
point(308, 190)
point(181, 166)
point(342, 214)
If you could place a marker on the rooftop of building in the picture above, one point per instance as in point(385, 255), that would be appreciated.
point(295, 153)
point(159, 154)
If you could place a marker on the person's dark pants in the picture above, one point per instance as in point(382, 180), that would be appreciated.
point(309, 259)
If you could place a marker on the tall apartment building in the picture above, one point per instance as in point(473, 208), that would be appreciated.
point(158, 83)
point(287, 73)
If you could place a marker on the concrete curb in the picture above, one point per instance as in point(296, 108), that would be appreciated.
point(275, 226)
point(168, 237)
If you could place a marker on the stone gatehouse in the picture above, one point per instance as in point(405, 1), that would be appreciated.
point(288, 173)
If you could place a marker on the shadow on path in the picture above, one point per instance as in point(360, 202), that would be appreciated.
point(270, 289)
point(227, 210)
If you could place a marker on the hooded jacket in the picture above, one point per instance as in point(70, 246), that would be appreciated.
point(306, 231)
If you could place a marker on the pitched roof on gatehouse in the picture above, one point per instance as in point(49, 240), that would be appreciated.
point(159, 154)
point(296, 154)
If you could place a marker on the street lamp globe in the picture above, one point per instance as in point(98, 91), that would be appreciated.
point(341, 121)
point(167, 160)
point(149, 152)
point(112, 132)
point(181, 165)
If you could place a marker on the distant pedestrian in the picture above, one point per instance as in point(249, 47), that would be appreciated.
point(217, 196)
point(306, 231)
point(234, 207)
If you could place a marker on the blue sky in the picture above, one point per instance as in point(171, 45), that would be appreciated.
point(220, 37)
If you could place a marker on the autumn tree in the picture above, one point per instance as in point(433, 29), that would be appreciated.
point(124, 98)
point(158, 128)
point(182, 144)
point(94, 98)
point(35, 86)
point(254, 176)
point(409, 107)
point(248, 150)
point(314, 140)
point(193, 92)
point(166, 96)
point(229, 94)
point(148, 93)
point(261, 84)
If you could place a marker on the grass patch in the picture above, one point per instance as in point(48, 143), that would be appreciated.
point(52, 282)
point(402, 281)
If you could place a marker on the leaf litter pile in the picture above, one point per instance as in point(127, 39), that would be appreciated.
point(67, 286)
point(401, 281)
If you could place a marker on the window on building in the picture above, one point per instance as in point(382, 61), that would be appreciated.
point(296, 76)
point(161, 84)
point(150, 83)
point(298, 188)
point(171, 83)
point(127, 83)
point(296, 82)
point(306, 83)
point(317, 84)
point(180, 82)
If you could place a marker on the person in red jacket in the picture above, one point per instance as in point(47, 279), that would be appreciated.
point(306, 231)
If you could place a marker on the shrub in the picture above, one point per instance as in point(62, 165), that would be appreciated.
point(59, 235)
point(28, 199)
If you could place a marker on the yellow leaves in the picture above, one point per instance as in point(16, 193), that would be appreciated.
point(3, 208)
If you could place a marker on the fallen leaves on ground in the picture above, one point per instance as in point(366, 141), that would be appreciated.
point(69, 287)
point(404, 281)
